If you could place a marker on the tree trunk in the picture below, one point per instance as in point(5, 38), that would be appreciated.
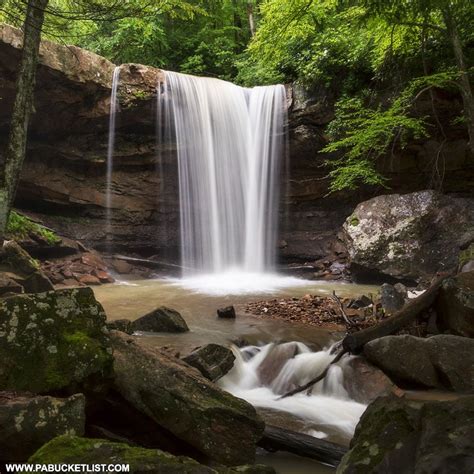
point(279, 439)
point(251, 18)
point(354, 343)
point(464, 82)
point(22, 109)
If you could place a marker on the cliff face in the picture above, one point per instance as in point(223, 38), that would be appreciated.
point(64, 177)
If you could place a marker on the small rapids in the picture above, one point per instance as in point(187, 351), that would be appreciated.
point(262, 374)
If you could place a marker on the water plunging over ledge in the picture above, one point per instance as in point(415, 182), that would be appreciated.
point(114, 107)
point(230, 145)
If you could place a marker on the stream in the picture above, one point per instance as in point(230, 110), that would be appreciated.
point(274, 355)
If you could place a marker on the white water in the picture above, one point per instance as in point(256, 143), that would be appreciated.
point(114, 107)
point(230, 142)
point(262, 374)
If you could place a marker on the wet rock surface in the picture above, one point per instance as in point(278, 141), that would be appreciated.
point(364, 382)
point(177, 397)
point(212, 360)
point(226, 313)
point(455, 305)
point(411, 235)
point(28, 421)
point(53, 340)
point(396, 435)
point(162, 319)
point(391, 299)
point(442, 361)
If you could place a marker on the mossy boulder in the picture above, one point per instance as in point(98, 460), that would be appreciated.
point(178, 398)
point(52, 341)
point(411, 235)
point(75, 450)
point(396, 436)
point(29, 421)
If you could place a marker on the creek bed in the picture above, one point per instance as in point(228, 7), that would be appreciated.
point(132, 299)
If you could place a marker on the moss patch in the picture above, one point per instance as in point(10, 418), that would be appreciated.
point(53, 340)
point(354, 220)
point(20, 227)
point(72, 450)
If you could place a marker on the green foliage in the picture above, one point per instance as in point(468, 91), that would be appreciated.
point(364, 134)
point(20, 227)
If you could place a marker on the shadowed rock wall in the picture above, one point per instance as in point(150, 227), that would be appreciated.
point(63, 180)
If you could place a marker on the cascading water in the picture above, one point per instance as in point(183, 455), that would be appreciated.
point(262, 374)
point(230, 141)
point(114, 107)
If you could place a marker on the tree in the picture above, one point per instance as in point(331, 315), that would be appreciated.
point(54, 17)
point(444, 16)
point(12, 162)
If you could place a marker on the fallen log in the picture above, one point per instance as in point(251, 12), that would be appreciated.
point(353, 343)
point(146, 262)
point(280, 439)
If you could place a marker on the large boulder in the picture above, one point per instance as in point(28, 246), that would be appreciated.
point(52, 341)
point(75, 450)
point(162, 319)
point(396, 436)
point(177, 397)
point(442, 361)
point(409, 236)
point(28, 421)
point(455, 305)
point(21, 268)
point(212, 360)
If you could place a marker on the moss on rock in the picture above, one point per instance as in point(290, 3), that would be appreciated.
point(75, 450)
point(53, 340)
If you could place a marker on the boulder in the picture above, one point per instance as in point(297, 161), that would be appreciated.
point(455, 305)
point(212, 360)
point(8, 286)
point(75, 450)
point(54, 340)
point(162, 319)
point(29, 421)
point(23, 269)
point(442, 361)
point(390, 298)
point(409, 235)
point(124, 325)
point(364, 382)
point(227, 313)
point(397, 436)
point(122, 267)
point(178, 398)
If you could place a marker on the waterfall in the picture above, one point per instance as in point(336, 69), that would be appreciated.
point(230, 141)
point(114, 107)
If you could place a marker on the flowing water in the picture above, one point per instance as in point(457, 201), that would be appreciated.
point(230, 142)
point(276, 357)
point(114, 107)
